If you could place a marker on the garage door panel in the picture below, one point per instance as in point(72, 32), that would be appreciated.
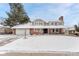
point(22, 31)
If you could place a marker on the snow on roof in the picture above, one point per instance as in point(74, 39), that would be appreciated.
point(2, 26)
point(7, 26)
point(72, 28)
point(46, 20)
point(29, 25)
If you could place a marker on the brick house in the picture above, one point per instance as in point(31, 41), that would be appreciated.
point(39, 27)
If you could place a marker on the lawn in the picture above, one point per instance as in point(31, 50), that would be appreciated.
point(44, 43)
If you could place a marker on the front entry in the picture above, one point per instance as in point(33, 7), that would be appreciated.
point(45, 31)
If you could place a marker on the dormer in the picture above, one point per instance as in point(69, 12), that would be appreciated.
point(38, 22)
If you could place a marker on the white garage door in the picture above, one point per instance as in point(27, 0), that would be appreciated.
point(22, 31)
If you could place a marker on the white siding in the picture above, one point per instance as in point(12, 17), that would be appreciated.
point(27, 31)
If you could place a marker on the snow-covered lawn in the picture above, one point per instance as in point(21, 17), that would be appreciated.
point(4, 37)
point(44, 43)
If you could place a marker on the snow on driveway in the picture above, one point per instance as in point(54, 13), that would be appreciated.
point(44, 43)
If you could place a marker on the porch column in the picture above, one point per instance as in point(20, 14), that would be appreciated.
point(25, 33)
point(13, 31)
point(42, 31)
point(48, 31)
point(54, 30)
point(58, 30)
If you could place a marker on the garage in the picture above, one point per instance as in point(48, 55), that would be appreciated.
point(22, 31)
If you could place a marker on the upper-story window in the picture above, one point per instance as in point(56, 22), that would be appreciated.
point(60, 23)
point(56, 23)
point(52, 23)
point(41, 22)
point(38, 22)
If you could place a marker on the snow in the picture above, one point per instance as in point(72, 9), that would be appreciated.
point(5, 37)
point(71, 28)
point(44, 43)
point(2, 26)
point(29, 25)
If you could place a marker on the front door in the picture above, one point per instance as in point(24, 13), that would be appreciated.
point(45, 31)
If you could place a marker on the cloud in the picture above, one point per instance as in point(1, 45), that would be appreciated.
point(53, 11)
point(50, 10)
point(70, 11)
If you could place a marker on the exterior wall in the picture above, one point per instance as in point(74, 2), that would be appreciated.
point(49, 31)
point(27, 31)
point(14, 31)
point(8, 31)
point(56, 31)
point(2, 30)
point(36, 31)
point(72, 32)
point(5, 31)
point(62, 30)
point(33, 31)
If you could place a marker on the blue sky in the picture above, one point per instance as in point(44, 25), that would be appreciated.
point(46, 11)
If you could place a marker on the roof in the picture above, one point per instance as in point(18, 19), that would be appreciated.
point(46, 20)
point(2, 26)
point(71, 28)
point(29, 25)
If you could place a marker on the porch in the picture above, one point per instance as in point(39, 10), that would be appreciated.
point(38, 31)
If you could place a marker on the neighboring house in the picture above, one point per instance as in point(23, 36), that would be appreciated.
point(70, 31)
point(40, 27)
point(4, 29)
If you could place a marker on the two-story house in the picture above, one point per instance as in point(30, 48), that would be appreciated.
point(40, 27)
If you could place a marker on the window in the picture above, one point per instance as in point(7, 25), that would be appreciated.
point(52, 23)
point(55, 23)
point(41, 24)
point(56, 30)
point(60, 23)
point(53, 30)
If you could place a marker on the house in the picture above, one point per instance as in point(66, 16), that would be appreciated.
point(39, 27)
point(70, 30)
point(4, 29)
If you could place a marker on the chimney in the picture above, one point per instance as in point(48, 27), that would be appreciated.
point(61, 18)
